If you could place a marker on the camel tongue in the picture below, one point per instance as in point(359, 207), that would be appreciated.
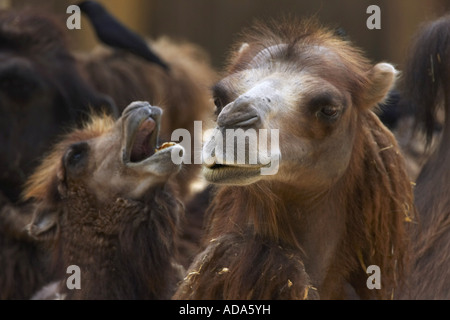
point(143, 146)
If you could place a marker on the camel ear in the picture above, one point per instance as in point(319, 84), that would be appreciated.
point(240, 52)
point(45, 198)
point(382, 78)
point(44, 224)
point(244, 46)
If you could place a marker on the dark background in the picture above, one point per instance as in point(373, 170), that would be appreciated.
point(214, 24)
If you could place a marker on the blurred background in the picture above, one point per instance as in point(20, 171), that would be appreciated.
point(214, 24)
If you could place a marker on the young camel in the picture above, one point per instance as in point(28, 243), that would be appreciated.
point(103, 194)
point(339, 197)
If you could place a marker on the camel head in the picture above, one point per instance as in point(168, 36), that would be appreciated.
point(105, 161)
point(291, 100)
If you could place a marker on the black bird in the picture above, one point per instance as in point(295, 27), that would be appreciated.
point(113, 33)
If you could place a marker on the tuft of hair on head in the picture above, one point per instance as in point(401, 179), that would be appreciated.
point(97, 123)
point(262, 34)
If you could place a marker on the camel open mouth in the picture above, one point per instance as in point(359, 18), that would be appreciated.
point(142, 142)
point(141, 150)
point(143, 145)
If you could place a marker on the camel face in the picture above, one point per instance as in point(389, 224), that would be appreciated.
point(124, 161)
point(313, 115)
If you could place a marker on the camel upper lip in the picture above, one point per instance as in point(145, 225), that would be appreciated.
point(141, 129)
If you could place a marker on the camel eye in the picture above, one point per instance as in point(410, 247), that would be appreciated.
point(330, 112)
point(76, 157)
point(219, 104)
point(220, 96)
point(327, 106)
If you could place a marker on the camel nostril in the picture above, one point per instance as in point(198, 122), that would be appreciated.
point(243, 112)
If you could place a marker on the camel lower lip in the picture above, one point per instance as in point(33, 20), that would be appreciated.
point(226, 174)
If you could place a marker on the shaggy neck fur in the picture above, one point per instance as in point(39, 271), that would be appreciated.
point(122, 248)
